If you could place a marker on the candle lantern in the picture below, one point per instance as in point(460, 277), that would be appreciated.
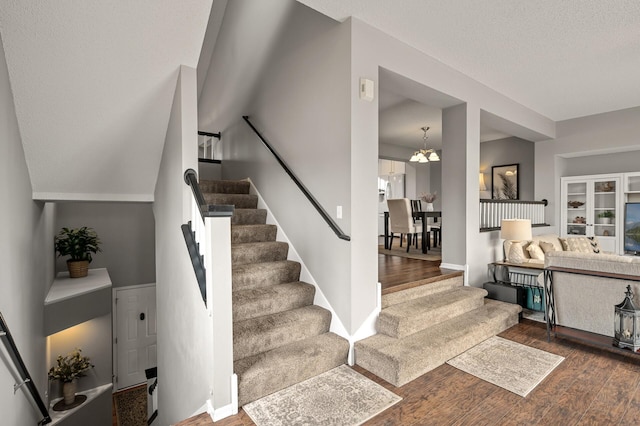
point(626, 327)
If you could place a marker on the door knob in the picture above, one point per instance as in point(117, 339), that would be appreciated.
point(142, 316)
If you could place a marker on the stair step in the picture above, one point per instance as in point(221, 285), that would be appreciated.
point(253, 233)
point(249, 216)
point(256, 302)
point(241, 201)
point(225, 186)
point(430, 287)
point(265, 274)
point(271, 371)
point(258, 252)
point(399, 361)
point(407, 318)
point(256, 335)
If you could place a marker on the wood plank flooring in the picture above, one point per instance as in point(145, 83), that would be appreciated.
point(590, 387)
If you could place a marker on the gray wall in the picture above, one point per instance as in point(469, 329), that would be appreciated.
point(510, 151)
point(127, 232)
point(26, 270)
point(595, 144)
point(185, 361)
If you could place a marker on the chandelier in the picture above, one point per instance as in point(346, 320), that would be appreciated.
point(425, 155)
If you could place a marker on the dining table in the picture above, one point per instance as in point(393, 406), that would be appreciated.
point(425, 232)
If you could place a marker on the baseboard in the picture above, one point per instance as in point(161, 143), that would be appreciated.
point(368, 327)
point(455, 267)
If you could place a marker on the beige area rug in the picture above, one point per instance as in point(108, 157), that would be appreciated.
point(433, 254)
point(131, 406)
point(340, 396)
point(510, 365)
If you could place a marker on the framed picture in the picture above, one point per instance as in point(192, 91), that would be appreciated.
point(505, 182)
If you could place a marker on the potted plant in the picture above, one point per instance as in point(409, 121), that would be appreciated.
point(79, 244)
point(429, 199)
point(606, 216)
point(67, 369)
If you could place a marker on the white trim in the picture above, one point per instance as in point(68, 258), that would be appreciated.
point(72, 196)
point(337, 326)
point(114, 328)
point(368, 327)
point(464, 268)
point(229, 409)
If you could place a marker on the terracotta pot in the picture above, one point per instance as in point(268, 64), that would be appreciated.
point(78, 268)
point(69, 392)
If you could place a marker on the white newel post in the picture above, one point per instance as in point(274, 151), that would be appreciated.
point(218, 271)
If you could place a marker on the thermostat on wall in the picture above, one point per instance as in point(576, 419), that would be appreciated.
point(366, 89)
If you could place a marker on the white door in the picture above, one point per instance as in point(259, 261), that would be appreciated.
point(135, 338)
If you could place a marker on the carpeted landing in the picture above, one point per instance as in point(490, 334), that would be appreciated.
point(423, 327)
point(279, 337)
point(340, 396)
point(130, 406)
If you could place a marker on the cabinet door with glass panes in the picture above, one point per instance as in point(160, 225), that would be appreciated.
point(591, 207)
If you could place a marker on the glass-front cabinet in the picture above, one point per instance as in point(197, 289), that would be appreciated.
point(592, 206)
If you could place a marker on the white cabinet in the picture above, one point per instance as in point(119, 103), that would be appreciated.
point(592, 206)
point(390, 167)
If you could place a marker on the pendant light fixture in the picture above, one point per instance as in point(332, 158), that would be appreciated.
point(424, 155)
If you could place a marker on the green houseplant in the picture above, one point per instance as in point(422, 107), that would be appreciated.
point(67, 369)
point(606, 216)
point(79, 244)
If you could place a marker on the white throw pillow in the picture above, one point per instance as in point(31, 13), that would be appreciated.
point(535, 252)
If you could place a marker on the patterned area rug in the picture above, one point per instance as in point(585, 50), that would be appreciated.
point(340, 396)
point(131, 406)
point(414, 253)
point(510, 365)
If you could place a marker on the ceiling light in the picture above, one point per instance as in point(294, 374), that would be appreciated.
point(424, 155)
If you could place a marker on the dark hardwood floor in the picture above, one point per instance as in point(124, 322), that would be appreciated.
point(591, 386)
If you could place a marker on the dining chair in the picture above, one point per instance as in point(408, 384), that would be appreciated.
point(401, 221)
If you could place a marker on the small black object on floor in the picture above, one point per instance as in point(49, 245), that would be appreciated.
point(505, 292)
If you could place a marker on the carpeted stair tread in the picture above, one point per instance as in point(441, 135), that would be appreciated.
point(258, 252)
point(253, 233)
point(225, 186)
point(409, 317)
point(249, 216)
point(271, 371)
point(255, 302)
point(264, 274)
point(256, 335)
point(240, 201)
point(421, 291)
point(399, 361)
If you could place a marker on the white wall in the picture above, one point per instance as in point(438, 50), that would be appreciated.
point(26, 271)
point(609, 133)
point(185, 361)
point(127, 233)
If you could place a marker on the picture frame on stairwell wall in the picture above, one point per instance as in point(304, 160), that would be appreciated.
point(505, 182)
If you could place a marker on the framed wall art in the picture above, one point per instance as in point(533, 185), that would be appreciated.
point(505, 182)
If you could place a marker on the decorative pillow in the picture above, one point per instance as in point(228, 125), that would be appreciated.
point(595, 244)
point(516, 253)
point(535, 252)
point(547, 247)
point(580, 244)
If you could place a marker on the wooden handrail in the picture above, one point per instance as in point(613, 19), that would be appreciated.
point(323, 213)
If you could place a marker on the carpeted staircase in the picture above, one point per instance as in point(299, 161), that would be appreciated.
point(279, 337)
point(423, 327)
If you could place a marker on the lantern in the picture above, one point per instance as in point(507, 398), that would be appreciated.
point(626, 323)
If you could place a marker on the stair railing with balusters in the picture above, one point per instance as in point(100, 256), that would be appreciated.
point(205, 140)
point(25, 377)
point(493, 211)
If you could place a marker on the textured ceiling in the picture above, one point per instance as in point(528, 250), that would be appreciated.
point(93, 82)
point(563, 59)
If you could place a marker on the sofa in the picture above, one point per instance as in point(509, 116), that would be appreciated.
point(532, 252)
point(585, 301)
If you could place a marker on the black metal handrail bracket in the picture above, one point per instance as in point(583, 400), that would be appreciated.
point(323, 213)
point(27, 381)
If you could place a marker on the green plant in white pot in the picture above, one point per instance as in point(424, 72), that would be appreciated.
point(67, 369)
point(606, 216)
point(79, 244)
